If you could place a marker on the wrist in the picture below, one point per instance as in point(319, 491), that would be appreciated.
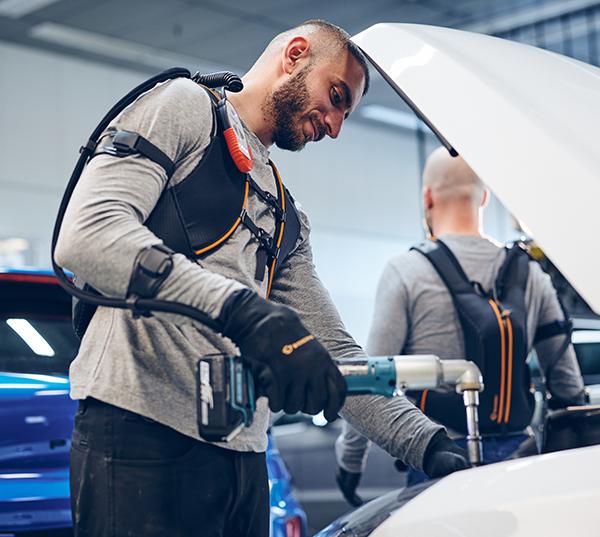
point(237, 302)
point(440, 441)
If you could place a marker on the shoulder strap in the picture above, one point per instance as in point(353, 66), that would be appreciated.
point(446, 265)
point(288, 227)
point(514, 270)
point(124, 143)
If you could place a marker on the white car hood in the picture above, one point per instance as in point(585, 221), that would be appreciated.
point(526, 120)
point(554, 495)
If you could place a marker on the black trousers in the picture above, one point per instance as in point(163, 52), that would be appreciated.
point(131, 476)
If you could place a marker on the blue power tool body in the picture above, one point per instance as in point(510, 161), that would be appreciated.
point(227, 398)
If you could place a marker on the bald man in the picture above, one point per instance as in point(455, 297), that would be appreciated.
point(138, 465)
point(415, 314)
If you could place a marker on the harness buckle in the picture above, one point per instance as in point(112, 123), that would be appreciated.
point(123, 144)
point(264, 238)
point(89, 146)
point(135, 308)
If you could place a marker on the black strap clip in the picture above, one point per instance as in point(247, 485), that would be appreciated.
point(152, 266)
point(89, 147)
point(123, 144)
point(135, 308)
point(266, 242)
point(275, 207)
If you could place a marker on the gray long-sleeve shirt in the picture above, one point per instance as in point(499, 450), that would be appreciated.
point(414, 314)
point(147, 365)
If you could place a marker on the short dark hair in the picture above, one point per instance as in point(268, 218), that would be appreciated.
point(341, 38)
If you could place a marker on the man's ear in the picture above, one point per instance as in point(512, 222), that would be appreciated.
point(427, 198)
point(485, 199)
point(295, 51)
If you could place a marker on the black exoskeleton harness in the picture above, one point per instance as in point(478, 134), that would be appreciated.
point(494, 324)
point(194, 217)
point(203, 210)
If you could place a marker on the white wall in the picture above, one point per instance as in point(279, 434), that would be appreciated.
point(361, 191)
point(50, 105)
point(362, 194)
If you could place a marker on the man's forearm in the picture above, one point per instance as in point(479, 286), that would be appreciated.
point(563, 376)
point(395, 424)
point(351, 450)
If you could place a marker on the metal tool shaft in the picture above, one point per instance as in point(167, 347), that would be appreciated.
point(474, 442)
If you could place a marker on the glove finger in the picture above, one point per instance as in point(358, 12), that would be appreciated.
point(336, 393)
point(355, 500)
point(347, 483)
point(270, 388)
point(294, 397)
point(316, 396)
point(446, 462)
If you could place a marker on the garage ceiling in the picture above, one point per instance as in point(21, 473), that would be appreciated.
point(148, 35)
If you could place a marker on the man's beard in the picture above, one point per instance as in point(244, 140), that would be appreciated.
point(284, 109)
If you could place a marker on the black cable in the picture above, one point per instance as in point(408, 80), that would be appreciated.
point(229, 81)
point(138, 306)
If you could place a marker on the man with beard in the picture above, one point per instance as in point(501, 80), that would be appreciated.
point(138, 466)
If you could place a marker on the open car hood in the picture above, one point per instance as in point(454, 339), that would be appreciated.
point(525, 119)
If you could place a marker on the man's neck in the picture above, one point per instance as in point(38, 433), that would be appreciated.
point(461, 223)
point(456, 230)
point(249, 106)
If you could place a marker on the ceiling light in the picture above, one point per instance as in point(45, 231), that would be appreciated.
point(17, 8)
point(34, 340)
point(13, 245)
point(585, 336)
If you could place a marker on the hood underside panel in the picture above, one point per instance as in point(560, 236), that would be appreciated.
point(526, 120)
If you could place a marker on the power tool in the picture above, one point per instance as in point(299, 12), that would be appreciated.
point(227, 395)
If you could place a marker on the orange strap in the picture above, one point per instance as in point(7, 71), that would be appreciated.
point(281, 224)
point(423, 400)
point(230, 231)
point(502, 358)
point(510, 361)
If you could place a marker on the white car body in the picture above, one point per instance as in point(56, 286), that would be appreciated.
point(557, 494)
point(528, 122)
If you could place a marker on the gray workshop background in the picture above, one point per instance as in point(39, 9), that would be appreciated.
point(65, 62)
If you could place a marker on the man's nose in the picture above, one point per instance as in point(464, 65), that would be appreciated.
point(333, 121)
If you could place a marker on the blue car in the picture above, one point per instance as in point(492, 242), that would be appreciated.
point(37, 345)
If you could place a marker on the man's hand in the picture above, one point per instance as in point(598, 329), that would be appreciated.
point(290, 366)
point(347, 482)
point(443, 456)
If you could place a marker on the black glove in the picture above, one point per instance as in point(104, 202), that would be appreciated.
point(443, 456)
point(289, 365)
point(348, 481)
point(400, 466)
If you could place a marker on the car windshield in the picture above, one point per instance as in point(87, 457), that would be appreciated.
point(35, 328)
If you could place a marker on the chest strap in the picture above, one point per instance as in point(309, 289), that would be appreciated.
point(269, 248)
